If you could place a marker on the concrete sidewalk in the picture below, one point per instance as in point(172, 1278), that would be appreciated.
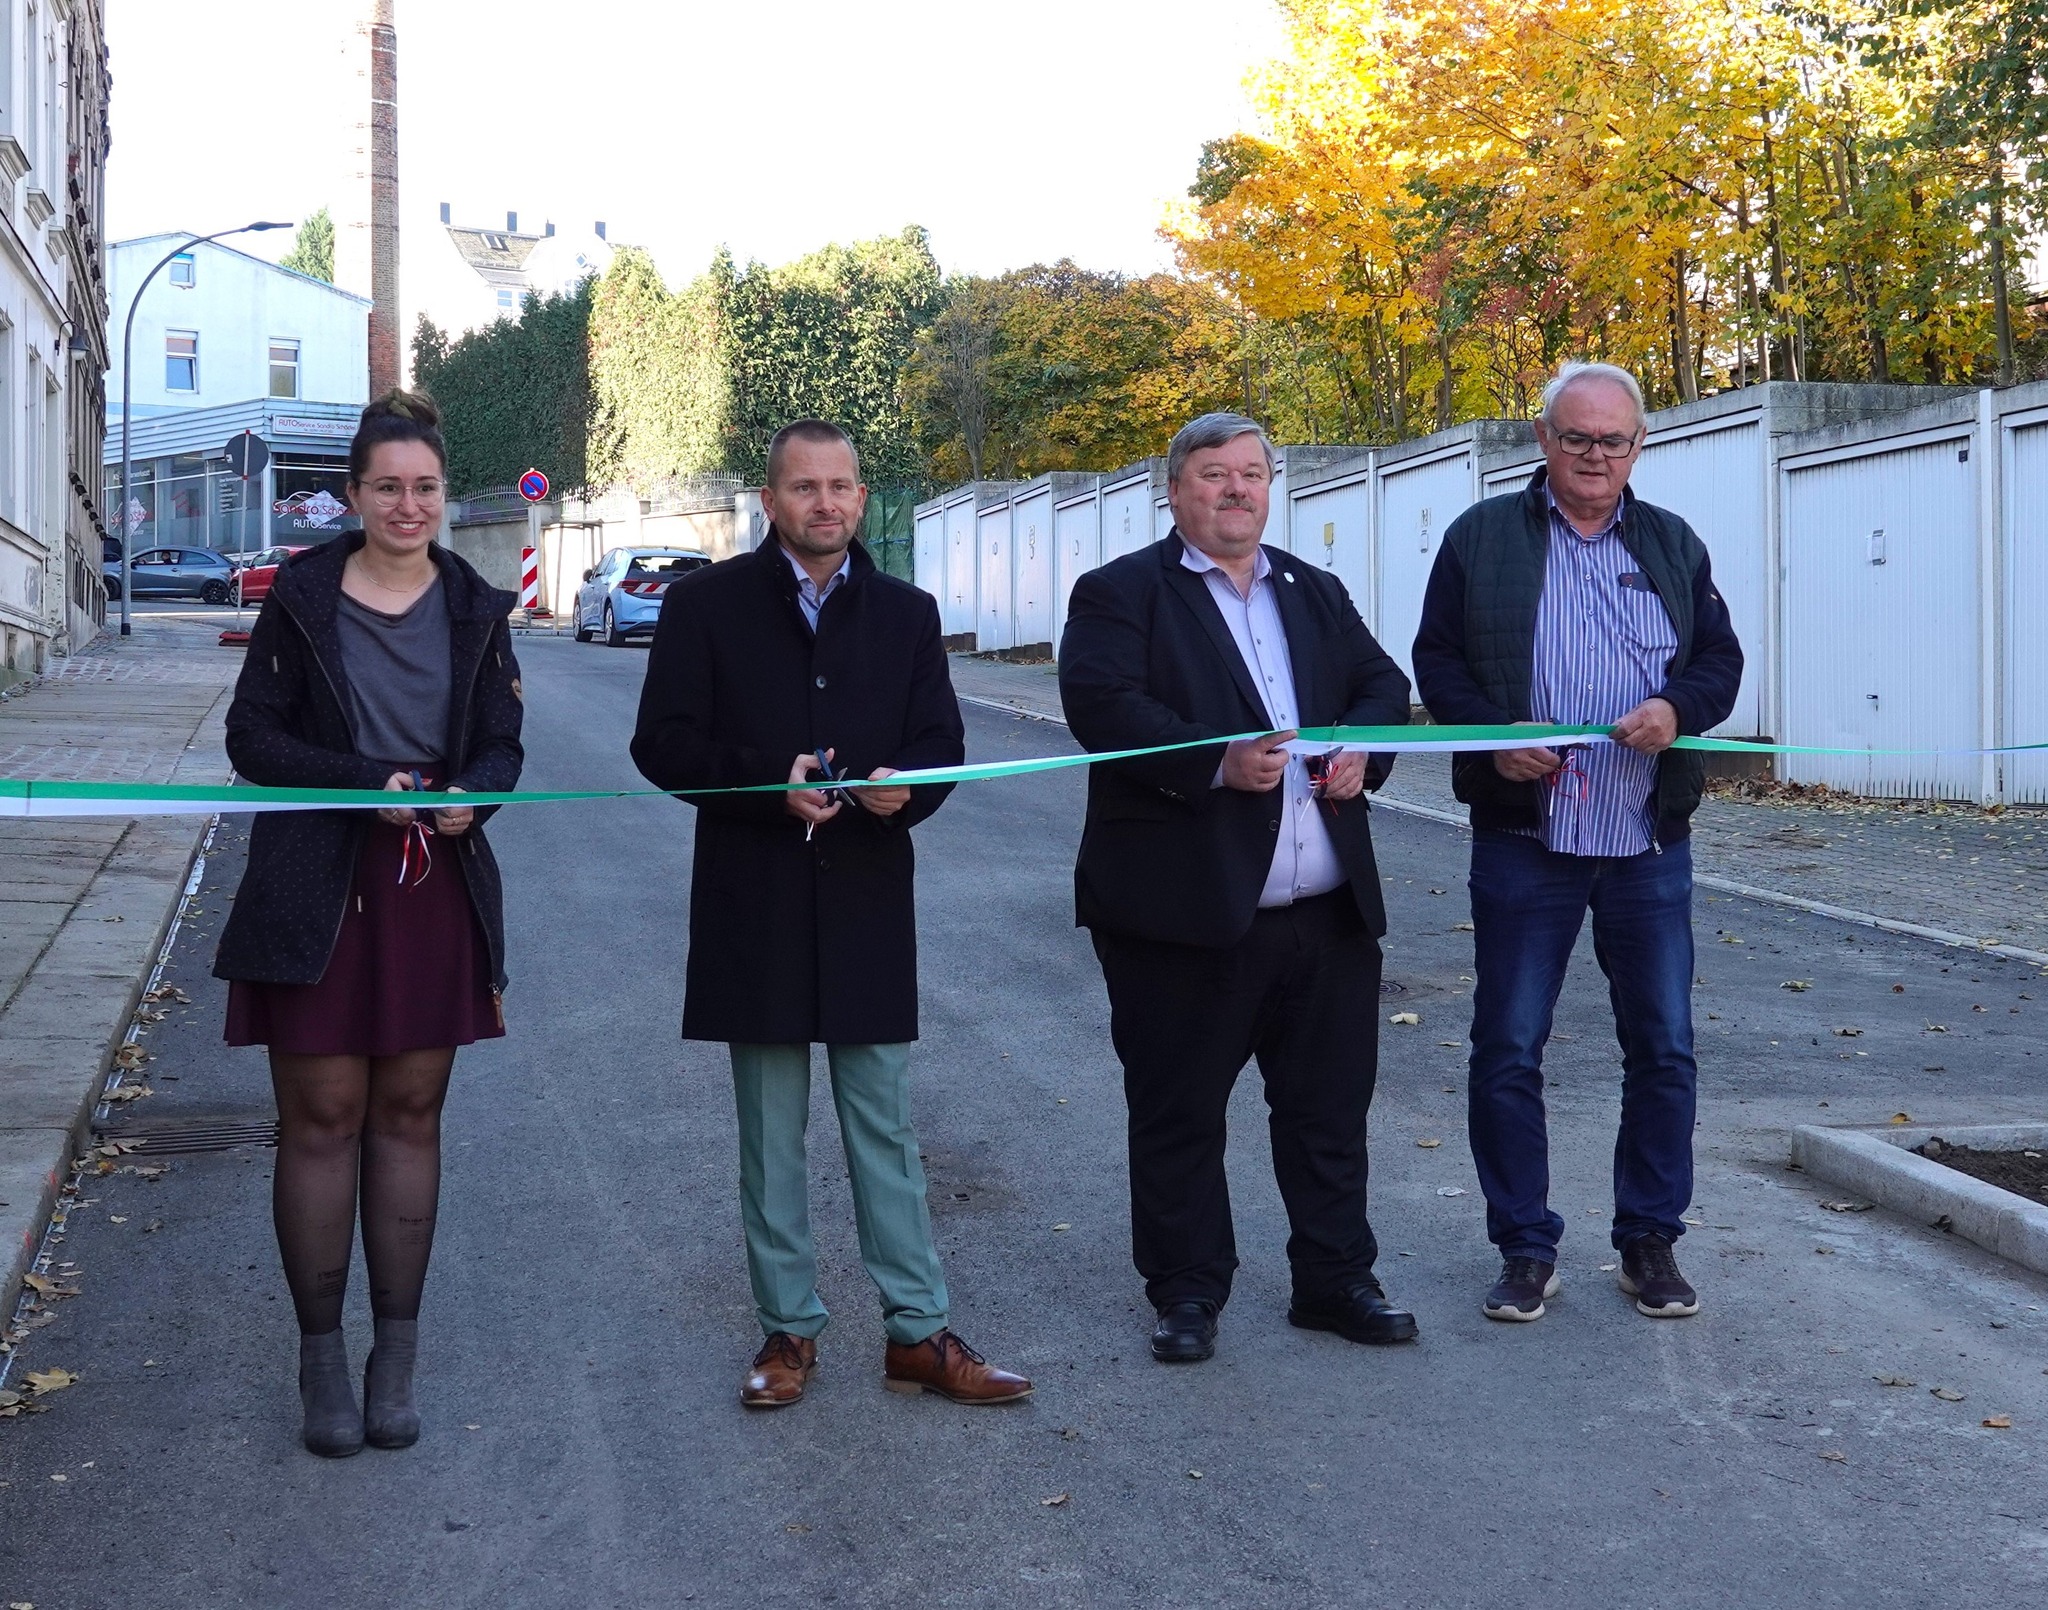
point(85, 905)
point(1950, 871)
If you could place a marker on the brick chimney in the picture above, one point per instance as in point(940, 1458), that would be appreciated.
point(366, 243)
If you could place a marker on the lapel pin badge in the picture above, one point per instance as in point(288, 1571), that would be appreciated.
point(1288, 574)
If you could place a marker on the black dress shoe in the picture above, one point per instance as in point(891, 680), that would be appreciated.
point(1185, 1334)
point(1361, 1314)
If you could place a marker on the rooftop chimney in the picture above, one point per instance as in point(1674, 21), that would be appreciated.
point(548, 230)
point(511, 223)
point(444, 213)
point(600, 230)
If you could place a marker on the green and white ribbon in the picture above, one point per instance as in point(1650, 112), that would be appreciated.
point(49, 799)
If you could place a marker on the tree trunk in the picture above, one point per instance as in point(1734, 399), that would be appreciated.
point(2001, 296)
point(1684, 379)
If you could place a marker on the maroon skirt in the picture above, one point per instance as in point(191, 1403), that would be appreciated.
point(410, 969)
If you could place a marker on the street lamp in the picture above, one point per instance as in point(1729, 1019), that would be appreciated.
point(128, 383)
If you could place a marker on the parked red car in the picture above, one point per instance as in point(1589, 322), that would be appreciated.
point(252, 582)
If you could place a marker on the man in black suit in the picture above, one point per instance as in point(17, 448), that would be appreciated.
point(1231, 889)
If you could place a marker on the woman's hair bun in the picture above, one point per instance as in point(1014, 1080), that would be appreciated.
point(416, 406)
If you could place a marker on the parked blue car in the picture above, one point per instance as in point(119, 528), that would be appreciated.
point(621, 594)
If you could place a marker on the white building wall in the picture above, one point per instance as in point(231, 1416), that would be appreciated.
point(237, 304)
point(958, 603)
point(1077, 542)
point(2024, 617)
point(1031, 554)
point(1413, 501)
point(928, 549)
point(1882, 587)
point(995, 625)
point(1329, 523)
point(1126, 516)
point(36, 374)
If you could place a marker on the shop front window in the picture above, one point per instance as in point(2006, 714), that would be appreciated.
point(309, 500)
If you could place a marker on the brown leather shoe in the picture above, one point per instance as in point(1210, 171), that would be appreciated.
point(781, 1370)
point(948, 1366)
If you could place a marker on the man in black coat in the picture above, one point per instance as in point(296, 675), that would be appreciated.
point(1231, 889)
point(802, 917)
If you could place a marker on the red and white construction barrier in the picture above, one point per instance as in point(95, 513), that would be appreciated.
point(529, 582)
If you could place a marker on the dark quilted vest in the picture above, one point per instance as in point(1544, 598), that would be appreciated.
point(1501, 542)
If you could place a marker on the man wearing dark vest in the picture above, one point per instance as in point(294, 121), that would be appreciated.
point(1573, 601)
point(1230, 890)
point(803, 925)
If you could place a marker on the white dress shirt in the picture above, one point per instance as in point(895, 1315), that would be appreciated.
point(1304, 860)
point(808, 593)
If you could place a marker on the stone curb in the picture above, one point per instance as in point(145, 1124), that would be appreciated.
point(1880, 1164)
point(59, 1034)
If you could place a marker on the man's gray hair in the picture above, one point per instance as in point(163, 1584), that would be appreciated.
point(1213, 430)
point(1572, 373)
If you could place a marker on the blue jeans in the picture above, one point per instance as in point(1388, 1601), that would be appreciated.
point(1527, 906)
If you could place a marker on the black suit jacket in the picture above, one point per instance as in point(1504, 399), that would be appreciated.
point(1147, 659)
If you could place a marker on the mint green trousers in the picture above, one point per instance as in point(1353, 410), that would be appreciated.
point(871, 1089)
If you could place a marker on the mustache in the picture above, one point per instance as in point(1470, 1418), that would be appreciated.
point(1235, 503)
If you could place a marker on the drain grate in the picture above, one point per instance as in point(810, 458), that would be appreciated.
point(208, 1135)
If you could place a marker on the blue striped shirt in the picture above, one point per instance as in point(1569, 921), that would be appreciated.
point(1604, 643)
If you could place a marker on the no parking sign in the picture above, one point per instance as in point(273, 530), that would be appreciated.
point(533, 486)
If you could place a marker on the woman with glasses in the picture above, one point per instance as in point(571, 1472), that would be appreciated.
point(365, 947)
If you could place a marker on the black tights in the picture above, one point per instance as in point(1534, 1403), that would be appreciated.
point(341, 1120)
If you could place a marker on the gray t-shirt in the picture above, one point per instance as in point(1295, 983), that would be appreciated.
point(398, 674)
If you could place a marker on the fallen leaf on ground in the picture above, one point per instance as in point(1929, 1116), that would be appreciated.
point(1902, 1118)
point(1194, 1475)
point(8, 1399)
point(1937, 1028)
point(1797, 984)
point(1835, 1455)
point(129, 1093)
point(1409, 1018)
point(1055, 1501)
point(1450, 1190)
point(796, 1526)
point(1847, 1207)
point(1730, 939)
point(117, 1218)
point(1946, 1394)
point(1062, 1227)
point(50, 1380)
point(1997, 1422)
point(41, 1283)
point(1894, 1380)
point(130, 1057)
point(1429, 1145)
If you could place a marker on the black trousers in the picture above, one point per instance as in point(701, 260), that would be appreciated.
point(1301, 993)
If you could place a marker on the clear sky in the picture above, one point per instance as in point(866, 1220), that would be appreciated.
point(1013, 132)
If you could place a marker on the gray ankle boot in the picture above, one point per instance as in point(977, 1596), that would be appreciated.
point(334, 1425)
point(389, 1418)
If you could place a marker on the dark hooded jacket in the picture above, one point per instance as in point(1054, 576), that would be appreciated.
point(289, 728)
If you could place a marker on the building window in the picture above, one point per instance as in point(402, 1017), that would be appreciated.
point(183, 270)
point(284, 369)
point(506, 300)
point(181, 360)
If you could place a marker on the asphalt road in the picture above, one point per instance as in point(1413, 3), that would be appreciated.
point(587, 1321)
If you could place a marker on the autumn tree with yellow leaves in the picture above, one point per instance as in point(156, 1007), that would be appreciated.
point(1449, 197)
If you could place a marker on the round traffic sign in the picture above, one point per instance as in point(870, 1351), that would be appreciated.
point(247, 453)
point(533, 486)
